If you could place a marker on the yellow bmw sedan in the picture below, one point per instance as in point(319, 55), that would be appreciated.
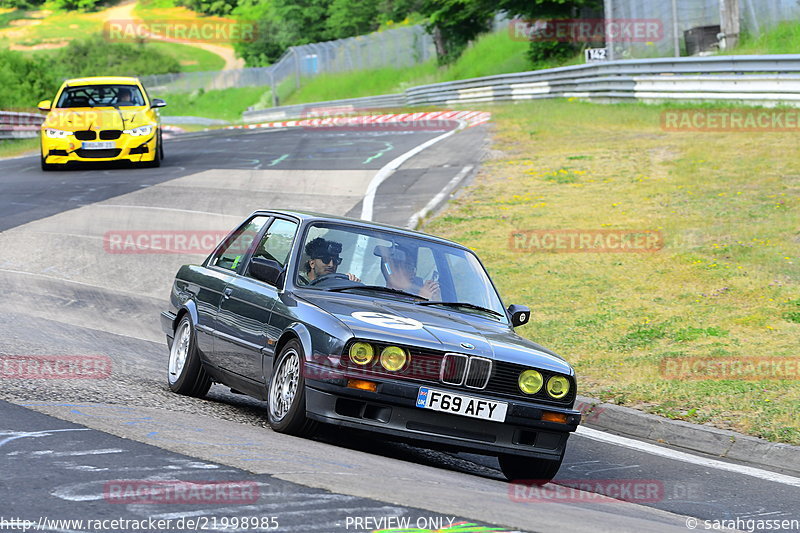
point(101, 119)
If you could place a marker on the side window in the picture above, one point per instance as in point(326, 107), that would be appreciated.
point(231, 254)
point(277, 241)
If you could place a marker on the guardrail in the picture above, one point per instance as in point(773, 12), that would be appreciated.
point(19, 125)
point(765, 80)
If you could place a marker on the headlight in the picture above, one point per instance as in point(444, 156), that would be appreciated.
point(57, 134)
point(140, 131)
point(530, 381)
point(557, 387)
point(361, 353)
point(393, 358)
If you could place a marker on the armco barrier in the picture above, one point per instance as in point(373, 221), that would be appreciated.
point(766, 80)
point(19, 125)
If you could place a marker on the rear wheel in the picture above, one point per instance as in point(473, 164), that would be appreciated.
point(185, 373)
point(529, 470)
point(287, 393)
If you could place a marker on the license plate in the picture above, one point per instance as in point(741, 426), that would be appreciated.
point(102, 145)
point(461, 404)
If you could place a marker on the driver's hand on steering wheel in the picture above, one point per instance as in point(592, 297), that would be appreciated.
point(352, 277)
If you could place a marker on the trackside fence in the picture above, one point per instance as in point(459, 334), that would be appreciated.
point(759, 80)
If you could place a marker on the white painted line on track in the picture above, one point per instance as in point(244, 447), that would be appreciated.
point(661, 451)
point(430, 206)
point(389, 168)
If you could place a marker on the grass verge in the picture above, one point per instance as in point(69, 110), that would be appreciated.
point(226, 104)
point(724, 285)
point(17, 147)
point(493, 53)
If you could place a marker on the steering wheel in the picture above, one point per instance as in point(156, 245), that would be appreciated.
point(332, 275)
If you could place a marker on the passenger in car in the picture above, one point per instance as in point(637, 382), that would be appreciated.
point(399, 269)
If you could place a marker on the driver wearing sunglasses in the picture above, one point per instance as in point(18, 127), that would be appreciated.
point(322, 259)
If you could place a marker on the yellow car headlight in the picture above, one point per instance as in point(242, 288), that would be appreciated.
point(557, 387)
point(139, 131)
point(393, 358)
point(53, 133)
point(361, 353)
point(530, 381)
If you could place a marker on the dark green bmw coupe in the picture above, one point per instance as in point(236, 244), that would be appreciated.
point(362, 325)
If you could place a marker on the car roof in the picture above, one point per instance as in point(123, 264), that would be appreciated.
point(102, 80)
point(310, 216)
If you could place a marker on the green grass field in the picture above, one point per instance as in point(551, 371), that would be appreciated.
point(16, 147)
point(227, 104)
point(725, 284)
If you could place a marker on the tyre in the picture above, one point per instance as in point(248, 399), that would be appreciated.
point(286, 397)
point(529, 469)
point(185, 373)
point(46, 166)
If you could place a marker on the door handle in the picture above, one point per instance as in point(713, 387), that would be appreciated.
point(227, 293)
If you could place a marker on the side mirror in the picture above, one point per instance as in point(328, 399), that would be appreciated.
point(157, 102)
point(266, 270)
point(45, 105)
point(520, 314)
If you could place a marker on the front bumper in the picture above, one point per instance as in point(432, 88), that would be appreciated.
point(392, 410)
point(126, 148)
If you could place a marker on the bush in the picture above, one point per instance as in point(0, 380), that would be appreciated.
point(24, 82)
point(540, 51)
point(97, 57)
point(77, 5)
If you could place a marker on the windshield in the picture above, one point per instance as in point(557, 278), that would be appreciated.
point(338, 257)
point(101, 96)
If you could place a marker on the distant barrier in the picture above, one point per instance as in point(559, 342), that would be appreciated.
point(19, 125)
point(763, 80)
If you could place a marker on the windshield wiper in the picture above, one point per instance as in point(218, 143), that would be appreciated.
point(462, 304)
point(378, 288)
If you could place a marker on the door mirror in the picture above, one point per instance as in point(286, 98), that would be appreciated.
point(157, 102)
point(520, 314)
point(45, 105)
point(266, 270)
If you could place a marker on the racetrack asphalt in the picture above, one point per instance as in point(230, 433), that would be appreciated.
point(65, 293)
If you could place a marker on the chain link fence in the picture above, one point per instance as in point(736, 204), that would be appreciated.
point(679, 16)
point(399, 47)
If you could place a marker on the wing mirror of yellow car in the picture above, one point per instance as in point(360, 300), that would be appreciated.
point(45, 105)
point(158, 102)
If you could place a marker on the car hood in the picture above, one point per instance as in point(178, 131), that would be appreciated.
point(394, 321)
point(96, 118)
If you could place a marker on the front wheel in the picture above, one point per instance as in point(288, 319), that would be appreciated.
point(529, 470)
point(287, 393)
point(46, 166)
point(185, 373)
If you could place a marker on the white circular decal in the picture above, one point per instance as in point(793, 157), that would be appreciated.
point(387, 321)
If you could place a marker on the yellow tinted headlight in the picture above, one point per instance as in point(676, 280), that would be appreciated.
point(530, 381)
point(393, 358)
point(557, 387)
point(361, 353)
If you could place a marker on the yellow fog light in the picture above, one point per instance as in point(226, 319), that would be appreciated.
point(361, 353)
point(530, 381)
point(393, 358)
point(557, 387)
